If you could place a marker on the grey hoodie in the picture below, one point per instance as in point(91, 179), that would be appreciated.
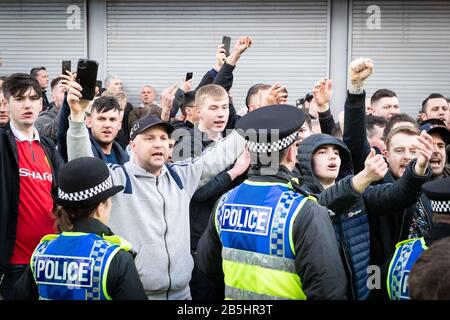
point(152, 212)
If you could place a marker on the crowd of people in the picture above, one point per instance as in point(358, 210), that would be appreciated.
point(192, 197)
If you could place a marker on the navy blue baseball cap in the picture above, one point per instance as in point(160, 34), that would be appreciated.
point(436, 126)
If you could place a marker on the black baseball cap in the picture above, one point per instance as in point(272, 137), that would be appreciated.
point(436, 126)
point(143, 124)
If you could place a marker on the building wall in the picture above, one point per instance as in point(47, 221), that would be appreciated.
point(296, 42)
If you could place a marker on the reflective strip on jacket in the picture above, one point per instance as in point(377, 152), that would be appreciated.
point(406, 254)
point(254, 222)
point(74, 265)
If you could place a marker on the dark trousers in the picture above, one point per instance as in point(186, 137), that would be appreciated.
point(204, 288)
point(12, 274)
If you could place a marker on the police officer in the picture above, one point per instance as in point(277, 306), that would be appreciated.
point(267, 238)
point(408, 251)
point(86, 261)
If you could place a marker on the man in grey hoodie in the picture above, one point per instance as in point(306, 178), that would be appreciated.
point(152, 212)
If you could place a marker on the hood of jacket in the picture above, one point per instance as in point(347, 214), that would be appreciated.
point(304, 159)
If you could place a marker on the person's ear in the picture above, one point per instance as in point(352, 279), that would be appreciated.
point(89, 121)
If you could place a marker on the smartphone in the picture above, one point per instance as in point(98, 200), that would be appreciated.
point(66, 65)
point(189, 76)
point(87, 77)
point(98, 84)
point(226, 41)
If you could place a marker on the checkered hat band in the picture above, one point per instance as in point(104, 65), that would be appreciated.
point(265, 147)
point(440, 206)
point(86, 194)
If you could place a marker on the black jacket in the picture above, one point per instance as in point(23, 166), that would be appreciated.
point(123, 136)
point(10, 188)
point(317, 263)
point(353, 209)
point(122, 281)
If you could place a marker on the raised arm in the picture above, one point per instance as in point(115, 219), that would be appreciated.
point(355, 135)
point(78, 143)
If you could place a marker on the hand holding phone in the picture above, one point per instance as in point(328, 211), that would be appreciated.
point(87, 77)
point(66, 66)
point(226, 41)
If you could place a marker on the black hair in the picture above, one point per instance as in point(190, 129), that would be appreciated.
point(18, 84)
point(254, 90)
point(65, 216)
point(55, 82)
point(35, 71)
point(431, 96)
point(372, 121)
point(105, 104)
point(188, 101)
point(380, 94)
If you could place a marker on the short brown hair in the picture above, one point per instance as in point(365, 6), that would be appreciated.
point(429, 278)
point(402, 129)
point(18, 84)
point(209, 91)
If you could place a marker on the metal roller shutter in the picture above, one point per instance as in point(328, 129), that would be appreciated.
point(411, 50)
point(158, 42)
point(41, 33)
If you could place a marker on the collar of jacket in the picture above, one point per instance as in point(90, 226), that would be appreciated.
point(439, 231)
point(91, 225)
point(206, 141)
point(283, 175)
point(137, 171)
point(121, 155)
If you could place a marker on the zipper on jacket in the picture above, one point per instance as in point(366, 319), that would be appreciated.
point(32, 151)
point(165, 236)
point(348, 267)
point(401, 227)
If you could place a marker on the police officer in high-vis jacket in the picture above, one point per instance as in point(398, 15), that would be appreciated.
point(407, 252)
point(85, 261)
point(267, 238)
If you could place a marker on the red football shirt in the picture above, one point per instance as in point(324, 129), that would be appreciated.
point(35, 217)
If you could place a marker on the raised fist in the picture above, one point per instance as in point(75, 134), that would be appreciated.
point(375, 166)
point(360, 69)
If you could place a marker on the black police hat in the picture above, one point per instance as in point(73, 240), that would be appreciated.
point(83, 182)
point(143, 124)
point(436, 126)
point(438, 192)
point(275, 127)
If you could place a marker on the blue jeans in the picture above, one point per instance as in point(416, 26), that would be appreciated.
point(12, 274)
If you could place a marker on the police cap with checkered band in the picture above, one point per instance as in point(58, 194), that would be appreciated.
point(275, 127)
point(438, 191)
point(83, 182)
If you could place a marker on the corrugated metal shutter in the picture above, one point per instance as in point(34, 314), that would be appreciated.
point(411, 50)
point(158, 42)
point(41, 33)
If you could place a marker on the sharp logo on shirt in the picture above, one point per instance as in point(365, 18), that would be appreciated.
point(24, 172)
point(245, 219)
point(64, 271)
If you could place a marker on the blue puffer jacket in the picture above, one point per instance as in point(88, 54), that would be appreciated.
point(352, 208)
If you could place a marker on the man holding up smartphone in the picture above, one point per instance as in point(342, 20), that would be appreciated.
point(158, 195)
